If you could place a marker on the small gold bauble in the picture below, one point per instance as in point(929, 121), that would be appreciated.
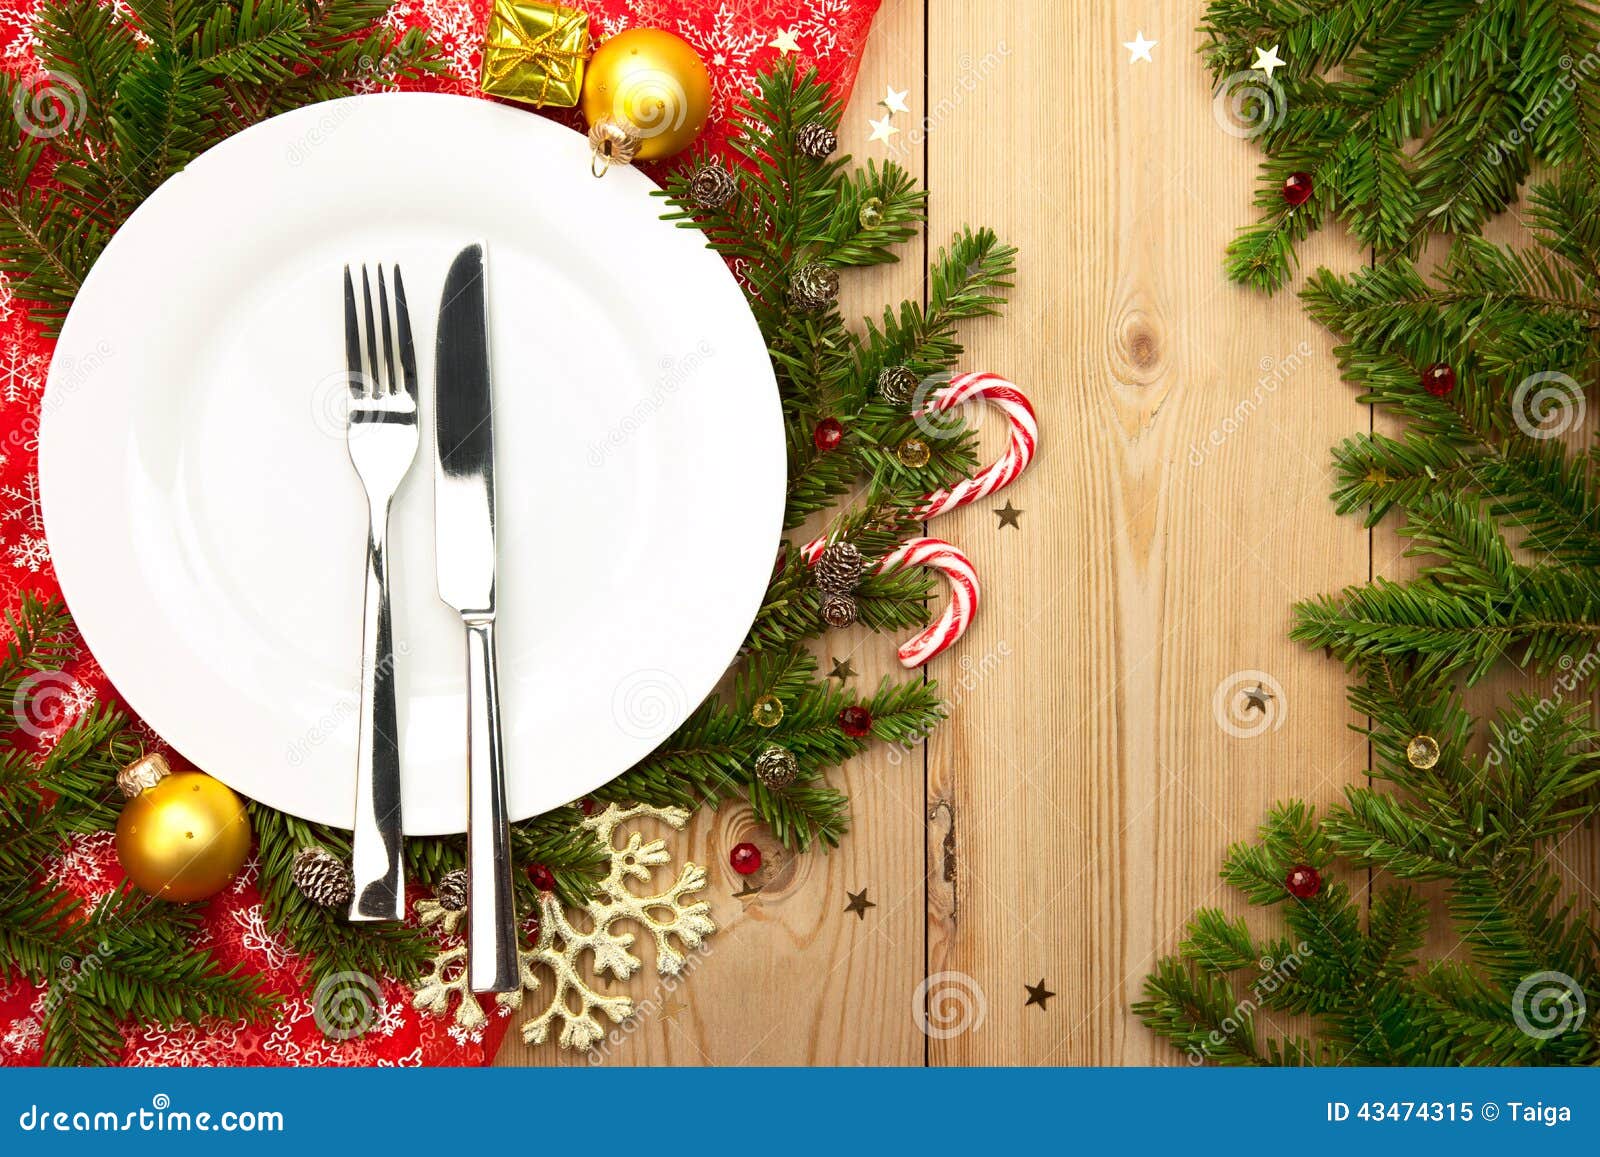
point(914, 452)
point(1422, 752)
point(185, 838)
point(870, 215)
point(653, 81)
point(768, 711)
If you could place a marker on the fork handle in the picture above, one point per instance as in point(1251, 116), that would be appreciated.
point(491, 912)
point(376, 847)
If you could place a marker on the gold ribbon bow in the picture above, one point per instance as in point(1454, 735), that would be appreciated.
point(551, 42)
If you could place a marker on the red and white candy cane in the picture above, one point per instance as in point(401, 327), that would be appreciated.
point(948, 560)
point(1002, 472)
point(939, 555)
point(935, 553)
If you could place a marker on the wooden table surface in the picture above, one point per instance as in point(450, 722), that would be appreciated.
point(1068, 819)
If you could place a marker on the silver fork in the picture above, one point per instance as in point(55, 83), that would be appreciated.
point(382, 437)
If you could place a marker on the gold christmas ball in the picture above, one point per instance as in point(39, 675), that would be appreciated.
point(650, 80)
point(184, 838)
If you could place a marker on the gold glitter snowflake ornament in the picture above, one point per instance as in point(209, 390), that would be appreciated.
point(672, 917)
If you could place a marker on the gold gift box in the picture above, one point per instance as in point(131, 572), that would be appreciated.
point(535, 53)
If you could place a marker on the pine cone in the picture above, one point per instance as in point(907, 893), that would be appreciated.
point(839, 569)
point(897, 385)
point(813, 287)
point(452, 890)
point(712, 186)
point(838, 611)
point(322, 877)
point(776, 767)
point(816, 139)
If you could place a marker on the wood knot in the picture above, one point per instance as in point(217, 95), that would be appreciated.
point(1138, 353)
point(779, 866)
point(1143, 349)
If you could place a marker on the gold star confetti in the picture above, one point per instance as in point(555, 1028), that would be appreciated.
point(859, 904)
point(881, 130)
point(785, 41)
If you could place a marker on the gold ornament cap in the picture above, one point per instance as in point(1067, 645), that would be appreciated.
point(611, 143)
point(143, 774)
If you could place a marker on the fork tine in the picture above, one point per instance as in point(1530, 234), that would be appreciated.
point(408, 352)
point(376, 380)
point(352, 337)
point(391, 379)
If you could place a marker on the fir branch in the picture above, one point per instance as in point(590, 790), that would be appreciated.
point(135, 113)
point(325, 937)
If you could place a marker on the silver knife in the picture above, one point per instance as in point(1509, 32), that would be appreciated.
point(463, 517)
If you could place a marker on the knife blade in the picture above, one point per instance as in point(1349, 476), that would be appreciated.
point(464, 533)
point(463, 416)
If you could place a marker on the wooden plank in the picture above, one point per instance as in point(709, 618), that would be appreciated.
point(790, 979)
point(1176, 511)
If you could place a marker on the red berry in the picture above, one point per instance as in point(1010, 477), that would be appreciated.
point(828, 434)
point(1297, 189)
point(589, 805)
point(1438, 379)
point(855, 721)
point(745, 858)
point(1303, 881)
point(543, 878)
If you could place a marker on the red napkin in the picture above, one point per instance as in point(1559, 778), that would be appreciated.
point(734, 38)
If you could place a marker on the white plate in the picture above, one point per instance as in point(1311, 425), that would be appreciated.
point(208, 528)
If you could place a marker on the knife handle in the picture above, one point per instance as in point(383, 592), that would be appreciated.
point(491, 913)
point(375, 854)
